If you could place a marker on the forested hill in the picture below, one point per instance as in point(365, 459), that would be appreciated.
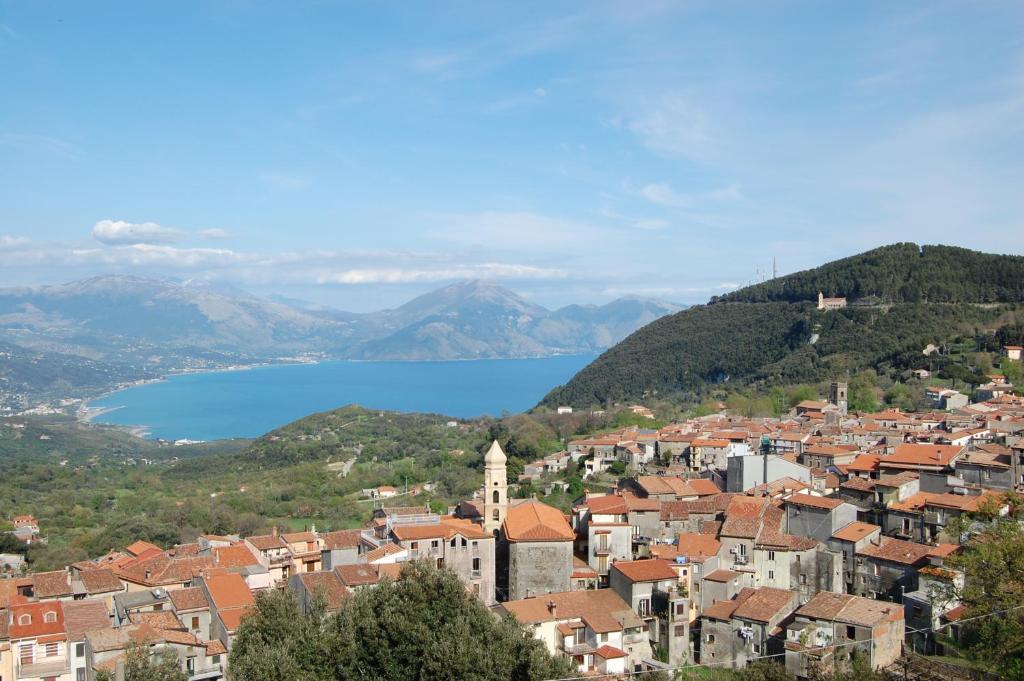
point(902, 298)
point(900, 273)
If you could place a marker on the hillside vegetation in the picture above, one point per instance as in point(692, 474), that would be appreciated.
point(902, 298)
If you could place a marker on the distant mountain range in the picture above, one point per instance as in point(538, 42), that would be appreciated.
point(132, 327)
point(901, 298)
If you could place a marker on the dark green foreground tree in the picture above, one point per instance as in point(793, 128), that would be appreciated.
point(424, 626)
point(993, 564)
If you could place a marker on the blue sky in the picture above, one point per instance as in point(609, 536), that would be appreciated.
point(357, 154)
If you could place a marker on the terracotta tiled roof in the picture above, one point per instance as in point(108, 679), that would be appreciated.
point(848, 609)
point(607, 652)
point(357, 575)
point(51, 584)
point(341, 539)
point(569, 605)
point(34, 616)
point(855, 531)
point(691, 545)
point(382, 551)
point(161, 619)
point(723, 610)
point(228, 590)
point(608, 504)
point(826, 503)
point(645, 570)
point(535, 521)
point(326, 584)
point(897, 551)
point(235, 556)
point(215, 647)
point(81, 617)
point(722, 576)
point(266, 542)
point(100, 580)
point(140, 547)
point(446, 528)
point(188, 599)
point(766, 603)
point(913, 456)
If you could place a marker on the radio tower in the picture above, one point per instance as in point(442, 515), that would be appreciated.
point(775, 268)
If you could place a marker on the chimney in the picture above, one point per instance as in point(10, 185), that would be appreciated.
point(149, 573)
point(273, 531)
point(553, 608)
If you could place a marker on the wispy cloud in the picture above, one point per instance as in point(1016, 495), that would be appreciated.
point(665, 195)
point(114, 232)
point(214, 233)
point(408, 276)
point(674, 127)
point(45, 143)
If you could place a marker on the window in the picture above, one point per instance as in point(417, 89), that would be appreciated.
point(803, 578)
point(496, 496)
point(680, 630)
point(643, 607)
point(215, 659)
point(158, 607)
point(80, 675)
point(680, 608)
point(27, 653)
point(476, 565)
point(464, 543)
point(50, 617)
point(875, 569)
point(434, 544)
point(771, 574)
point(454, 542)
point(711, 638)
point(24, 619)
point(195, 623)
point(851, 632)
point(52, 649)
point(741, 550)
point(798, 559)
point(79, 650)
point(771, 555)
point(905, 525)
point(918, 611)
point(496, 515)
point(440, 563)
point(757, 649)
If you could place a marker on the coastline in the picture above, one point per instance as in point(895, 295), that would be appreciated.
point(88, 412)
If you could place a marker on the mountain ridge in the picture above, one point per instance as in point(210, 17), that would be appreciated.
point(902, 298)
point(129, 327)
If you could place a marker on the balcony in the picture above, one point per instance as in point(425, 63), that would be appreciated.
point(583, 648)
point(208, 673)
point(46, 666)
point(740, 559)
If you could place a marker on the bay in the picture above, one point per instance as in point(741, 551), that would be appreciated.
point(248, 403)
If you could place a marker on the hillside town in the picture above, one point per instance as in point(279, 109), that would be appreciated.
point(726, 540)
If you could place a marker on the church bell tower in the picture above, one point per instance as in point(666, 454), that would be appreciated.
point(495, 487)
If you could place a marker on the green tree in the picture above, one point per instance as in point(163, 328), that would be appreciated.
point(424, 626)
point(993, 591)
point(141, 666)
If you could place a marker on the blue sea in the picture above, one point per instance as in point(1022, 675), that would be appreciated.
point(249, 403)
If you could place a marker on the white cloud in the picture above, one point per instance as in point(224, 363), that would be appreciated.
point(114, 232)
point(540, 92)
point(730, 193)
point(13, 242)
point(214, 233)
point(433, 63)
point(674, 128)
point(665, 195)
point(408, 276)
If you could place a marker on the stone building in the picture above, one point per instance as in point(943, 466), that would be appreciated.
point(459, 545)
point(535, 551)
point(873, 628)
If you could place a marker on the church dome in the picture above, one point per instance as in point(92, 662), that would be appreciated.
point(494, 456)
